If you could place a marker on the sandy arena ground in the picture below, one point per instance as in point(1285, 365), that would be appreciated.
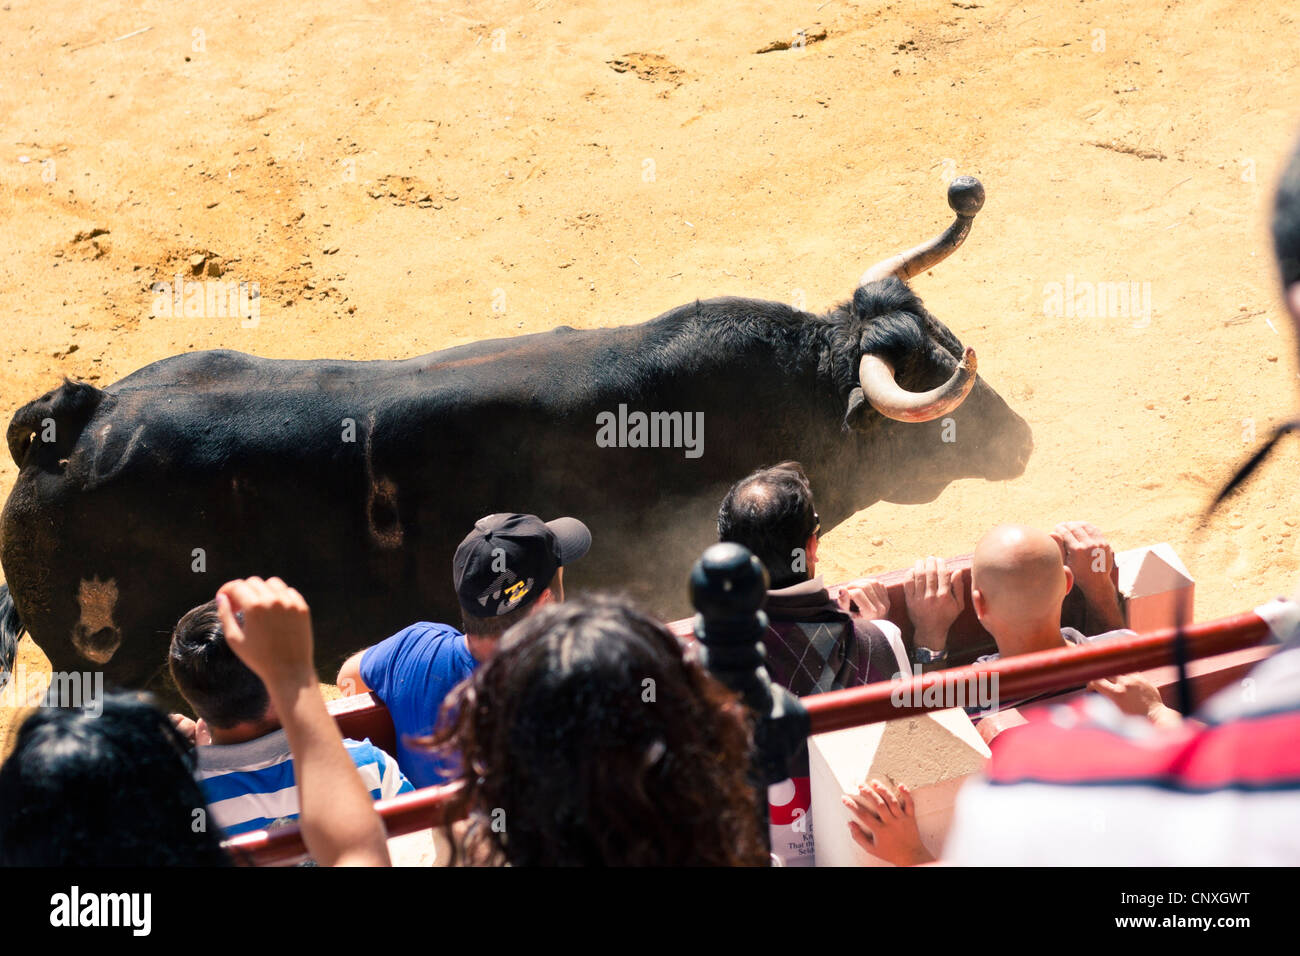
point(402, 177)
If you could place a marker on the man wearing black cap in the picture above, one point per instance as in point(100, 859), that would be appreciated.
point(506, 568)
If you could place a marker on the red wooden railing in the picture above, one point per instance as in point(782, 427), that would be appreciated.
point(1023, 676)
point(1028, 675)
point(408, 813)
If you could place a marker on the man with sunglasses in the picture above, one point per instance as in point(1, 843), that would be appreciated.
point(814, 644)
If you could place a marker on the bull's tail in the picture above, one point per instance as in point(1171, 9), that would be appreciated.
point(11, 628)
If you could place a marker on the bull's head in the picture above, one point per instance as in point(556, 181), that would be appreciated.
point(910, 368)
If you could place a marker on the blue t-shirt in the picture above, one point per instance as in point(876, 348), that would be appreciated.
point(412, 672)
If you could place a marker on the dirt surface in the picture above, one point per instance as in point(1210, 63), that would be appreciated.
point(401, 177)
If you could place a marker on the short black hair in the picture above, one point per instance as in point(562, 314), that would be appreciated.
point(1286, 221)
point(113, 789)
point(218, 685)
point(771, 513)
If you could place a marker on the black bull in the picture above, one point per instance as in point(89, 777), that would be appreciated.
point(354, 481)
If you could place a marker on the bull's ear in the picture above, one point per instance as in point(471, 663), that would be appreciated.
point(855, 416)
point(69, 407)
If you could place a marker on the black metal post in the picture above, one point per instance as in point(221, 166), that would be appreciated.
point(728, 589)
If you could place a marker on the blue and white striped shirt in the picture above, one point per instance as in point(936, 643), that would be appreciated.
point(250, 786)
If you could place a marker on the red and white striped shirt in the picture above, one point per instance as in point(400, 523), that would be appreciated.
point(1088, 785)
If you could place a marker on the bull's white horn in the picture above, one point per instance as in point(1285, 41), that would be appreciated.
point(893, 401)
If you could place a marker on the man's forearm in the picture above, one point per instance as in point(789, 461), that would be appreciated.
point(338, 819)
point(1104, 613)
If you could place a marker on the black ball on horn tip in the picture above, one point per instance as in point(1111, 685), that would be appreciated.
point(728, 582)
point(965, 196)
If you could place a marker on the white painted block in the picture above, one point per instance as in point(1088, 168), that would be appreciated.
point(932, 753)
point(1158, 590)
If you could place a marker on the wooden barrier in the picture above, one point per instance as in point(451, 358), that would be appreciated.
point(1216, 643)
point(1207, 677)
point(407, 813)
point(363, 716)
point(1029, 675)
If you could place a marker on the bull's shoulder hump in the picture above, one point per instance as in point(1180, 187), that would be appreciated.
point(563, 345)
point(189, 366)
point(737, 311)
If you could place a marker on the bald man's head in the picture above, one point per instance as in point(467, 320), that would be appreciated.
point(1021, 578)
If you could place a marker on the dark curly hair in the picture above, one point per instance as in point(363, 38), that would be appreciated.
point(589, 739)
point(116, 789)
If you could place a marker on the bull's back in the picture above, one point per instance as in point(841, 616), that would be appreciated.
point(354, 481)
point(190, 472)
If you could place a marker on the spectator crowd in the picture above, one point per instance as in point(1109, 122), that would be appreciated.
point(586, 733)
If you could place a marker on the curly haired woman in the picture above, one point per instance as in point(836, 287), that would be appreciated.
point(591, 740)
